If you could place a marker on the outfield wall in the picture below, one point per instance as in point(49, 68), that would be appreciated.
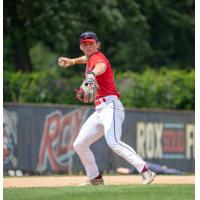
point(39, 138)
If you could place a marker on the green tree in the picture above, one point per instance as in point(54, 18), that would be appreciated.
point(133, 33)
point(15, 36)
point(172, 27)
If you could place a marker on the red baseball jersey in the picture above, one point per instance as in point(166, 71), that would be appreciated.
point(106, 80)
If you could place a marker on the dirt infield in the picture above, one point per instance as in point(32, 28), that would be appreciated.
point(60, 181)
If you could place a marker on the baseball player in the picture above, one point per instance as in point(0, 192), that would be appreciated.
point(109, 113)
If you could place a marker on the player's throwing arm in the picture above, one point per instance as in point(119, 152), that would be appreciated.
point(67, 62)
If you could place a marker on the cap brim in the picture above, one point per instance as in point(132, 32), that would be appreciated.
point(88, 40)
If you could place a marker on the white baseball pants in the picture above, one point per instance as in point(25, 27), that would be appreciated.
point(106, 120)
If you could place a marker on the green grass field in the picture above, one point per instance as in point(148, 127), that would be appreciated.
point(125, 192)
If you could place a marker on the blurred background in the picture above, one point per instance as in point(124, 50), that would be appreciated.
point(150, 45)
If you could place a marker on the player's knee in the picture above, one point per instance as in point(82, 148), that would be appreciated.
point(113, 145)
point(77, 146)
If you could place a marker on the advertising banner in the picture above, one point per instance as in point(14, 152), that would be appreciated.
point(39, 138)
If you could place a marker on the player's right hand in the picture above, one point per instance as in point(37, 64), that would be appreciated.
point(65, 62)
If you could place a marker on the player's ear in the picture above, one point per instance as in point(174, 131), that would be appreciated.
point(81, 48)
point(99, 45)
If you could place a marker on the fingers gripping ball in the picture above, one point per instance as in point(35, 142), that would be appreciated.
point(88, 91)
point(62, 63)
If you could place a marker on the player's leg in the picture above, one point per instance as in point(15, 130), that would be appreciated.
point(113, 130)
point(90, 132)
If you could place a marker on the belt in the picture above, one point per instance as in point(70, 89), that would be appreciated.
point(99, 101)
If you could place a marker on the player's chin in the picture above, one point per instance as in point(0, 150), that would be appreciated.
point(88, 53)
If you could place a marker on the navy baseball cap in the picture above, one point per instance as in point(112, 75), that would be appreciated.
point(88, 36)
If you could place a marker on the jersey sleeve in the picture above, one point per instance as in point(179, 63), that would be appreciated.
point(95, 59)
point(99, 59)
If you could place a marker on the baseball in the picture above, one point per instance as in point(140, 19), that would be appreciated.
point(62, 63)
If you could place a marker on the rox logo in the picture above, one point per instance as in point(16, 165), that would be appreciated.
point(166, 140)
point(56, 149)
